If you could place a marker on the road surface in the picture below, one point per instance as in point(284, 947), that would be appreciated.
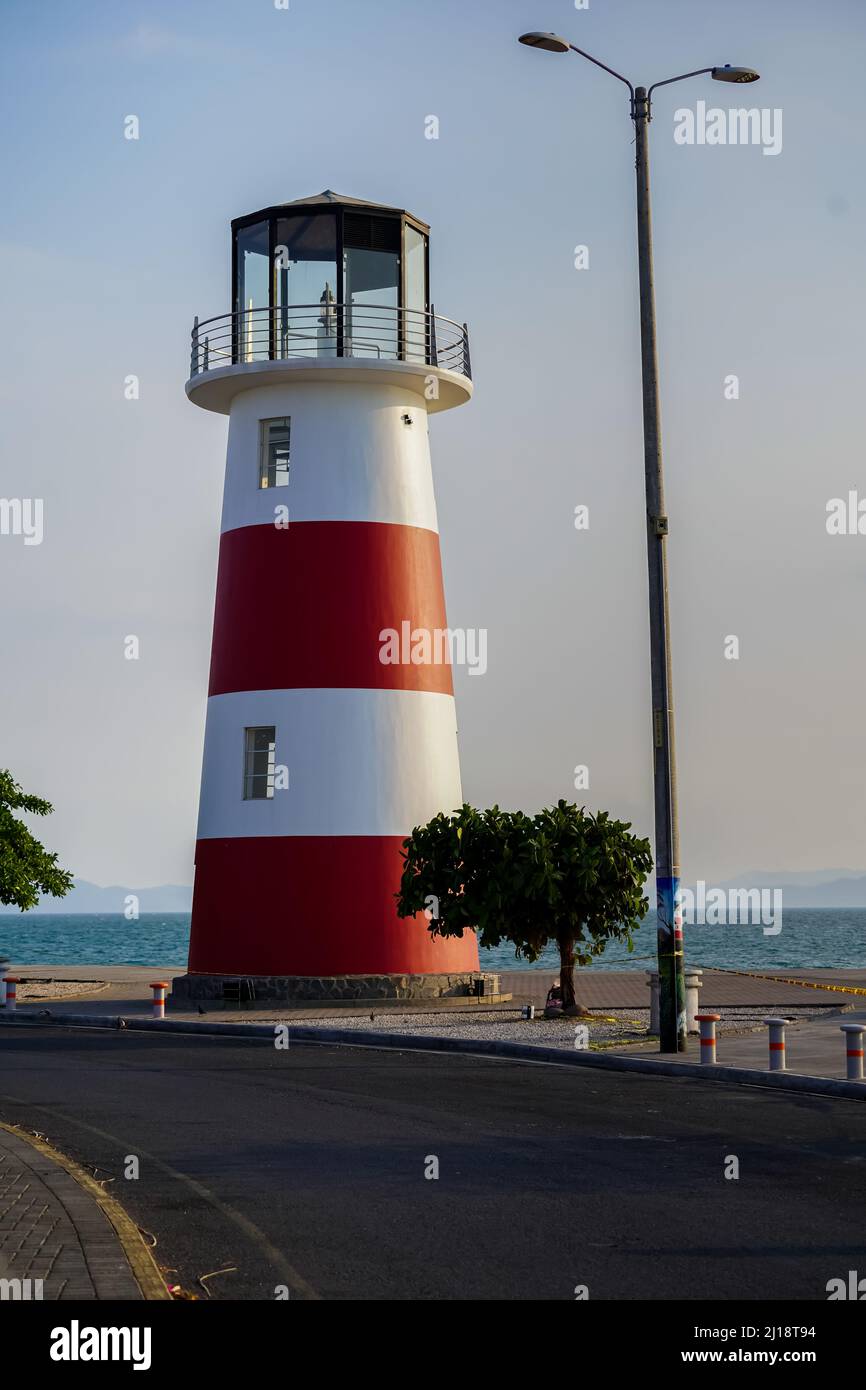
point(305, 1170)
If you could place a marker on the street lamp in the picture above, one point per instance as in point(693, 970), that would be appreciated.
point(672, 993)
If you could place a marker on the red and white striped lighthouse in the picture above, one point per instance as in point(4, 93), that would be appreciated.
point(319, 755)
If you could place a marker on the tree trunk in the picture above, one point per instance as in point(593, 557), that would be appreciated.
point(566, 970)
point(566, 978)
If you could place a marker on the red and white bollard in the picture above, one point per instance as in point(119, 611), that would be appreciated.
point(159, 987)
point(854, 1049)
point(12, 983)
point(708, 1036)
point(777, 1042)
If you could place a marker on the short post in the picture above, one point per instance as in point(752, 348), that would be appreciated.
point(528, 1011)
point(694, 983)
point(777, 1043)
point(4, 970)
point(652, 979)
point(12, 983)
point(854, 1049)
point(159, 987)
point(708, 1037)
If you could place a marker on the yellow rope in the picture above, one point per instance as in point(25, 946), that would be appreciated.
point(785, 980)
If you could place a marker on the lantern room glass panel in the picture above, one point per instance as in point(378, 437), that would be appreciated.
point(371, 268)
point(415, 319)
point(252, 325)
point(307, 292)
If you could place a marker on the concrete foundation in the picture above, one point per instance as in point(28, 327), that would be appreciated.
point(318, 989)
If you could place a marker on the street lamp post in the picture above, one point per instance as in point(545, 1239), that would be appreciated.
point(672, 992)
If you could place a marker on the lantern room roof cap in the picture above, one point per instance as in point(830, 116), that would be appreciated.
point(329, 198)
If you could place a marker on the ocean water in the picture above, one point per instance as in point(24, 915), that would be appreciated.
point(810, 938)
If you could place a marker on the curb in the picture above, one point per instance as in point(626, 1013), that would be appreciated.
point(518, 1052)
point(144, 1268)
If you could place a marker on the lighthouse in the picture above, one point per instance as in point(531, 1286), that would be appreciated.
point(321, 751)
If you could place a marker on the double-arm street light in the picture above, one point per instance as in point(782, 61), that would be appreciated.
point(672, 994)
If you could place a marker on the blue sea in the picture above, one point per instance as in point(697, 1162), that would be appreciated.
point(810, 938)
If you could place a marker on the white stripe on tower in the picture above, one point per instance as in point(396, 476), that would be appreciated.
point(361, 762)
point(351, 459)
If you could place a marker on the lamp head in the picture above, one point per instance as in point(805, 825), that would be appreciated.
point(551, 42)
point(729, 74)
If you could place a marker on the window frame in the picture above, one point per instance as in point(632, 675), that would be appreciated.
point(264, 467)
point(251, 778)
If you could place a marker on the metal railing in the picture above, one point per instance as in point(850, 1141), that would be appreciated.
point(330, 330)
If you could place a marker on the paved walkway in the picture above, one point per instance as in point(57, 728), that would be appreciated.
point(816, 1048)
point(628, 989)
point(55, 1229)
point(128, 990)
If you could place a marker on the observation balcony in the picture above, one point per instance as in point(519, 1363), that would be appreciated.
point(401, 346)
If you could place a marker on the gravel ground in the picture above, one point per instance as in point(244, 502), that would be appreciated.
point(613, 1026)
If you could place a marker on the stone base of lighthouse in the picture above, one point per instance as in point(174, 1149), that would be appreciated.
point(341, 989)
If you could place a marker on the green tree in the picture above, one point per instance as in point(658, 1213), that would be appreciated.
point(565, 877)
point(26, 867)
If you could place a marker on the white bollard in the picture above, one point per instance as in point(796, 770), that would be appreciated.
point(652, 979)
point(11, 993)
point(159, 987)
point(693, 1003)
point(777, 1043)
point(854, 1049)
point(708, 1037)
point(528, 1011)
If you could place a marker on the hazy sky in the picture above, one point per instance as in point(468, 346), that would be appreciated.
point(111, 246)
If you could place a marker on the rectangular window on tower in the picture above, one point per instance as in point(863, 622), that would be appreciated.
point(260, 748)
point(274, 452)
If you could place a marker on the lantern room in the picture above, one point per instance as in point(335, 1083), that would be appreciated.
point(330, 276)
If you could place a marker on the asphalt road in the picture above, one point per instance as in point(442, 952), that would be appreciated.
point(306, 1168)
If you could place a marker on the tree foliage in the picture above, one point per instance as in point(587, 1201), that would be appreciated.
point(565, 877)
point(27, 869)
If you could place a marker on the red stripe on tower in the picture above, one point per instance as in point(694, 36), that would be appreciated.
point(349, 582)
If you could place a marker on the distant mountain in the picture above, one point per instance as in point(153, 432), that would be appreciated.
point(819, 888)
point(847, 887)
point(801, 877)
point(89, 898)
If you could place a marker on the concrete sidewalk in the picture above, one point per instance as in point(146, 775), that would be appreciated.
point(815, 1048)
point(628, 989)
point(57, 1226)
